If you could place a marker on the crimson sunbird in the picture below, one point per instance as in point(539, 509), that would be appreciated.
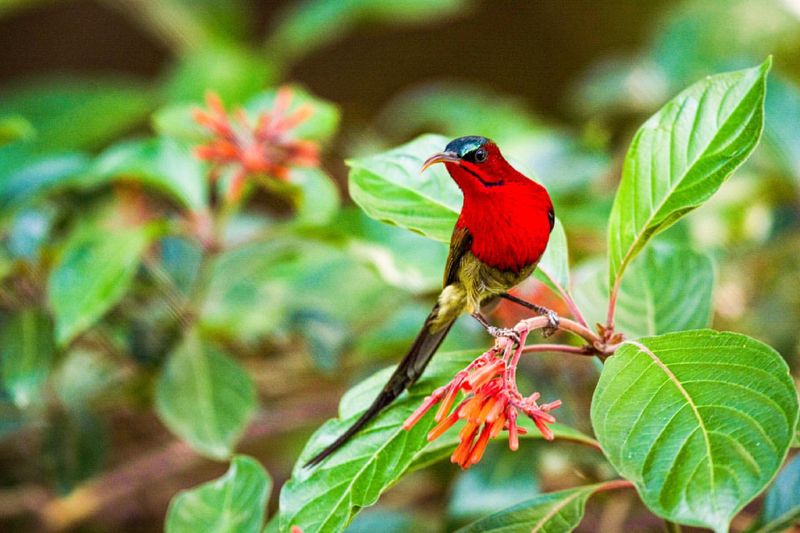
point(501, 233)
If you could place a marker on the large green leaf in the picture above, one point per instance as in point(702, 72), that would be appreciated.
point(389, 187)
point(104, 107)
point(682, 155)
point(554, 512)
point(296, 278)
point(162, 163)
point(699, 421)
point(205, 397)
point(233, 503)
point(26, 352)
point(553, 267)
point(781, 508)
point(402, 258)
point(93, 274)
point(668, 288)
point(326, 497)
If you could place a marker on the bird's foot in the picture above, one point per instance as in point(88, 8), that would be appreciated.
point(552, 322)
point(509, 333)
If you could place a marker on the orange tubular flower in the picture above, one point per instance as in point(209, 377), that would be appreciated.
point(266, 147)
point(491, 404)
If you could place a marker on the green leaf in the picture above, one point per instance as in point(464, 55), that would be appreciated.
point(553, 268)
point(781, 508)
point(104, 107)
point(26, 352)
point(293, 276)
point(311, 24)
point(325, 498)
point(682, 155)
point(319, 199)
point(233, 73)
point(389, 187)
point(235, 502)
point(552, 512)
point(699, 421)
point(403, 259)
point(205, 397)
point(668, 288)
point(502, 479)
point(161, 163)
point(93, 273)
point(320, 126)
point(782, 113)
point(25, 175)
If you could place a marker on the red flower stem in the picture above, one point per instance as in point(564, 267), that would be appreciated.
point(577, 350)
point(614, 484)
point(573, 307)
point(512, 366)
point(565, 324)
point(612, 304)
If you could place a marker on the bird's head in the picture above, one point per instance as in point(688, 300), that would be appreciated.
point(474, 162)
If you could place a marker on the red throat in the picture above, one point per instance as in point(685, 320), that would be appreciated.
point(508, 215)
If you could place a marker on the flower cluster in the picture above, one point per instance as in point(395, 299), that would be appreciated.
point(491, 404)
point(265, 147)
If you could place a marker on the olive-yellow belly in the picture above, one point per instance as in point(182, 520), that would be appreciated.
point(477, 282)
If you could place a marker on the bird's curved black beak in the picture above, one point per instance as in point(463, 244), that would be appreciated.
point(441, 157)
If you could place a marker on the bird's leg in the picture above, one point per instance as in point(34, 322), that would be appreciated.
point(552, 317)
point(495, 331)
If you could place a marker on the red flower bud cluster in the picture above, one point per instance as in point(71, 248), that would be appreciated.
point(490, 405)
point(264, 147)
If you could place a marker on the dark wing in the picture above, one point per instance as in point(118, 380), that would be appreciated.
point(460, 244)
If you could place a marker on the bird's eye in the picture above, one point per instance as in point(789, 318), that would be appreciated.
point(480, 155)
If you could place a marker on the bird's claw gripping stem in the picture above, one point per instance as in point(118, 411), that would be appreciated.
point(552, 323)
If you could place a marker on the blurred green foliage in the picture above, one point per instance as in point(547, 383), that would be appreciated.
point(130, 290)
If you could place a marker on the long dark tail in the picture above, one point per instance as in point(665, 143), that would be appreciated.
point(408, 371)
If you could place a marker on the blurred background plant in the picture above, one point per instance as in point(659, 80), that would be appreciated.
point(171, 294)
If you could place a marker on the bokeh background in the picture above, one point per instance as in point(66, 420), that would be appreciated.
point(307, 309)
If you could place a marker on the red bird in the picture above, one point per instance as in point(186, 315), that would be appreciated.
point(501, 234)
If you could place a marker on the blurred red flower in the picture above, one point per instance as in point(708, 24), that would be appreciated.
point(265, 147)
